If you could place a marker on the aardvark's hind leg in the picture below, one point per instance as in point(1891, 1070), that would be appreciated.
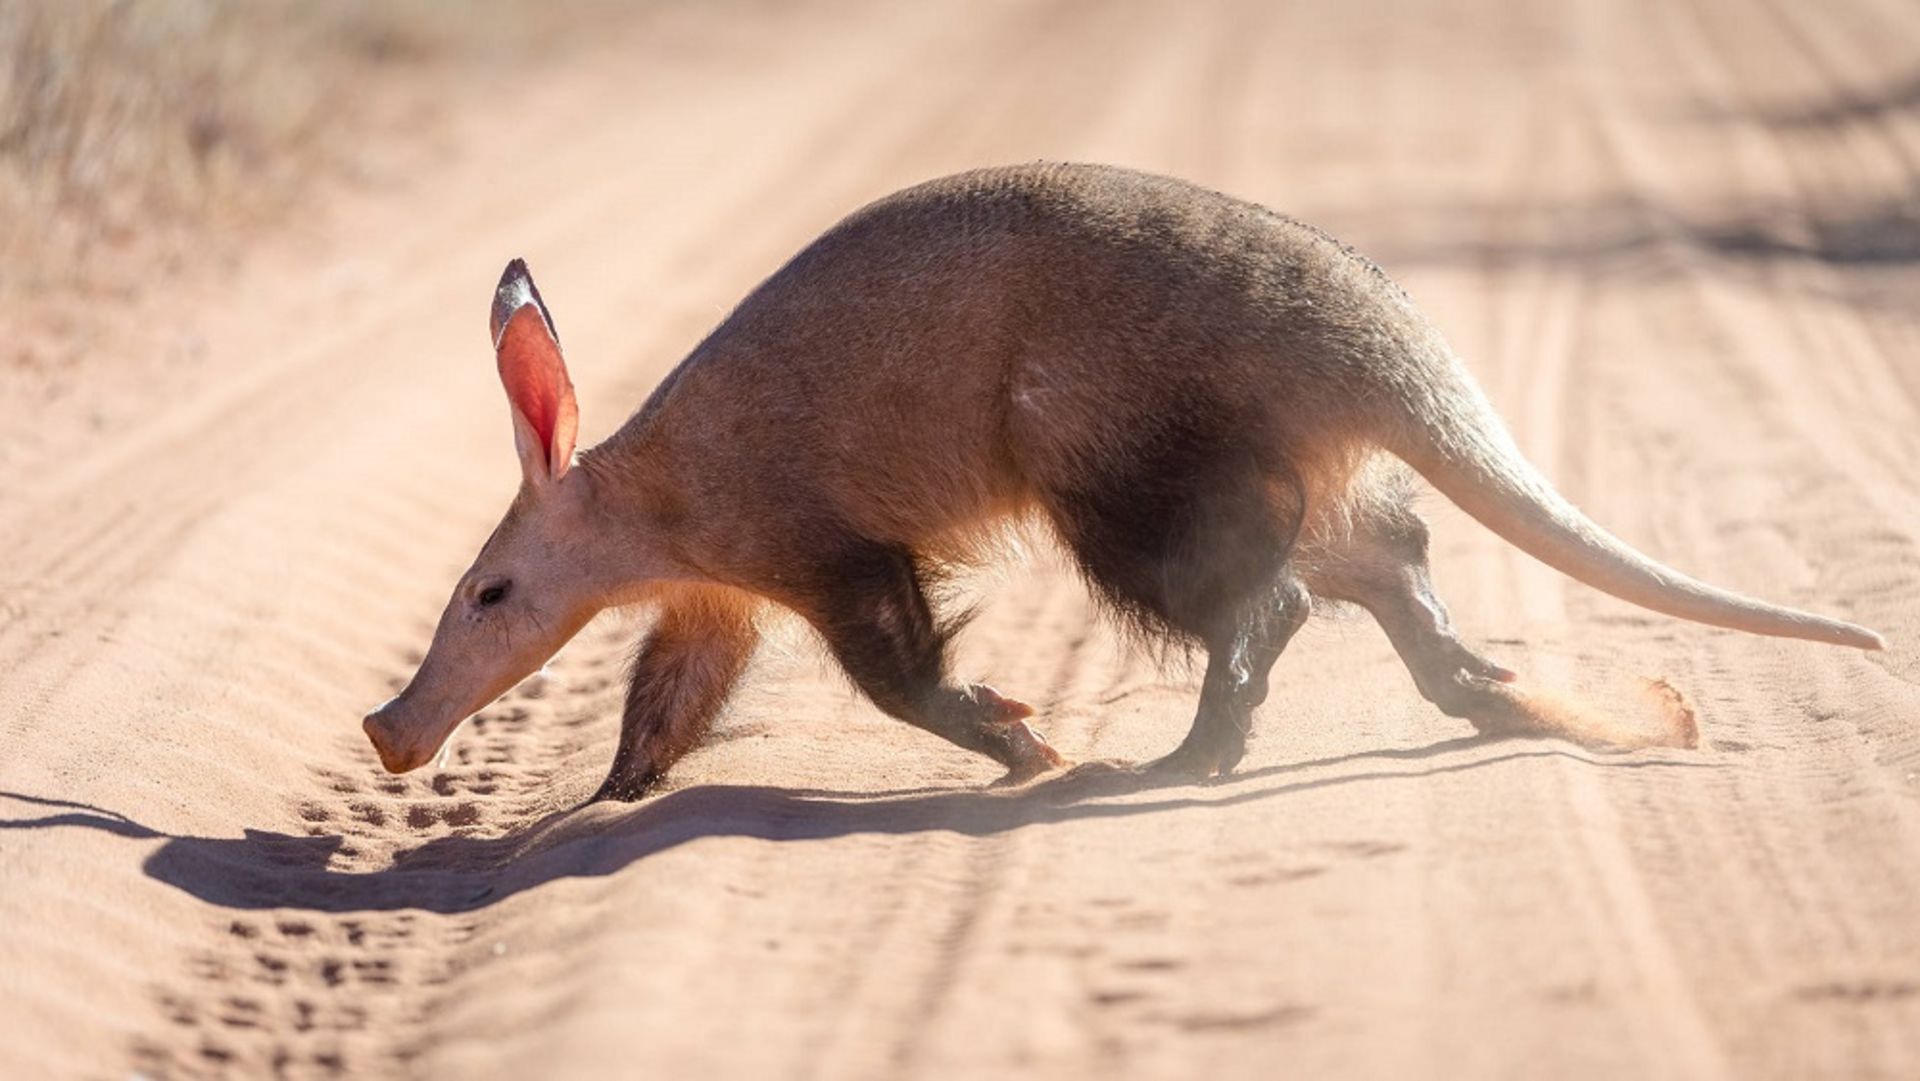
point(1203, 556)
point(1381, 565)
point(1240, 656)
point(870, 606)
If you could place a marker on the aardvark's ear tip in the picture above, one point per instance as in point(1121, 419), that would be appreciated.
point(515, 291)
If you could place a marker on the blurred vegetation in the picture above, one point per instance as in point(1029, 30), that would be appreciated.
point(119, 118)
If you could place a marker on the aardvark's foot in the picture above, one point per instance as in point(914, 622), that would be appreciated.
point(1186, 765)
point(1208, 751)
point(625, 787)
point(1025, 752)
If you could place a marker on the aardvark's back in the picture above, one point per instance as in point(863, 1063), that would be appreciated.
point(936, 355)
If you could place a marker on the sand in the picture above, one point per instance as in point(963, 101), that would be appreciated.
point(1676, 243)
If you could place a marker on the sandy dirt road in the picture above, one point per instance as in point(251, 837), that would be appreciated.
point(1675, 240)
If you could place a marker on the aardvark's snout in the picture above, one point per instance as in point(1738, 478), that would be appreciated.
point(400, 740)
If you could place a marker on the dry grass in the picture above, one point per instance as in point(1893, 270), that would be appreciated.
point(121, 120)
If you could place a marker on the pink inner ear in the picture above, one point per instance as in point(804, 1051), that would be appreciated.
point(536, 380)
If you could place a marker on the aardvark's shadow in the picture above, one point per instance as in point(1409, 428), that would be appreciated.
point(461, 873)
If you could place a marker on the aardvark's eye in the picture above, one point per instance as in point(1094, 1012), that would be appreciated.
point(493, 594)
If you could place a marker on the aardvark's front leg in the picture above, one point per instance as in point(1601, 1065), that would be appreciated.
point(874, 614)
point(685, 670)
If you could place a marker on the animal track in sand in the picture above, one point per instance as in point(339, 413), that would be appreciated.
point(1859, 991)
point(450, 784)
point(288, 996)
point(1152, 964)
point(426, 815)
point(1365, 850)
point(1115, 998)
point(1224, 1021)
point(239, 1012)
point(1254, 868)
point(591, 685)
point(1274, 877)
point(500, 718)
point(338, 782)
point(292, 995)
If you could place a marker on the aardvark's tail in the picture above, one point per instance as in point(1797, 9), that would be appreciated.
point(1460, 445)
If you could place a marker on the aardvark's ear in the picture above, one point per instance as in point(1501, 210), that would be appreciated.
point(545, 417)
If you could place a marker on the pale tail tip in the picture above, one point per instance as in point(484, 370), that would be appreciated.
point(1862, 638)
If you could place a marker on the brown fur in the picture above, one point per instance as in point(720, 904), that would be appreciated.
point(1039, 315)
point(1192, 391)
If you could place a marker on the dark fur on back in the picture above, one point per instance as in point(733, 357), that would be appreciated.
point(1038, 337)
